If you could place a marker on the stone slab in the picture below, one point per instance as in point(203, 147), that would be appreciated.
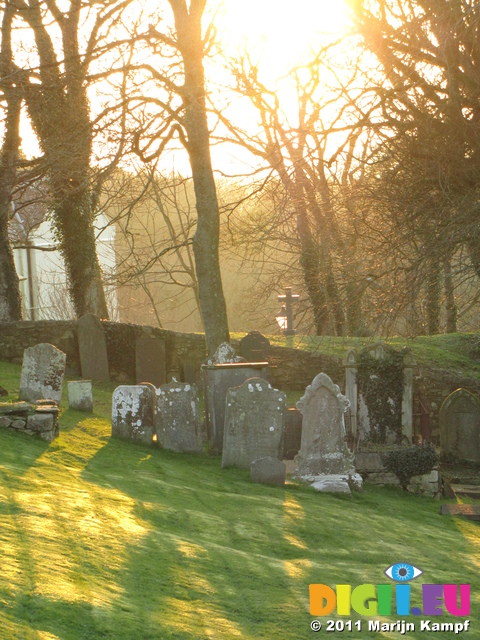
point(92, 347)
point(323, 450)
point(43, 369)
point(217, 380)
point(268, 471)
point(332, 483)
point(255, 347)
point(292, 433)
point(133, 413)
point(80, 395)
point(150, 360)
point(254, 421)
point(177, 420)
point(470, 511)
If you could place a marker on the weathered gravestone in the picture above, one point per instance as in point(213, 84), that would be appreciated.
point(133, 410)
point(292, 433)
point(254, 347)
point(254, 423)
point(42, 373)
point(217, 380)
point(225, 354)
point(268, 471)
point(92, 347)
point(324, 451)
point(177, 422)
point(150, 360)
point(80, 396)
point(460, 425)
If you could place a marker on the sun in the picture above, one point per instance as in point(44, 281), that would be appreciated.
point(281, 31)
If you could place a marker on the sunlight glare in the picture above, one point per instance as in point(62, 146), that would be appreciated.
point(281, 31)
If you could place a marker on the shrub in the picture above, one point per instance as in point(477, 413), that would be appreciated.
point(411, 461)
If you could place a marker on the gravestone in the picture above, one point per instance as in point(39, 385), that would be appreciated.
point(133, 410)
point(189, 372)
point(92, 348)
point(254, 423)
point(42, 373)
point(460, 426)
point(324, 451)
point(225, 354)
point(150, 360)
point(254, 347)
point(217, 380)
point(292, 433)
point(268, 471)
point(80, 396)
point(177, 421)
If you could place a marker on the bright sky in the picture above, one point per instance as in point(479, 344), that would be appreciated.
point(278, 32)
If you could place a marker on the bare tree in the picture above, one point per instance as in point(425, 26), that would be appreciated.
point(183, 114)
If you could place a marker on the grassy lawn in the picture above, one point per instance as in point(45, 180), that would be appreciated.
point(105, 539)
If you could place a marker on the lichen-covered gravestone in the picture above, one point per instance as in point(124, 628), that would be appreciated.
point(222, 372)
point(324, 451)
point(42, 373)
point(92, 347)
point(254, 420)
point(460, 426)
point(80, 395)
point(133, 409)
point(177, 422)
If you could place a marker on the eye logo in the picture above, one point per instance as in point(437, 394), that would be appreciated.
point(402, 572)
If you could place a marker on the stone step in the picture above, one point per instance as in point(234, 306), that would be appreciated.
point(469, 490)
point(469, 511)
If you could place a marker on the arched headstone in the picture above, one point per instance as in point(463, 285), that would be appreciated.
point(323, 449)
point(460, 425)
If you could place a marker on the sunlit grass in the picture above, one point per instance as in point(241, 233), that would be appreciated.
point(100, 538)
point(456, 352)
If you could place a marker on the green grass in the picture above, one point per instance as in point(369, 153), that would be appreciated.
point(457, 353)
point(101, 538)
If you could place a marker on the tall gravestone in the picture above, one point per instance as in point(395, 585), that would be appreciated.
point(222, 372)
point(177, 421)
point(133, 412)
point(92, 348)
point(323, 450)
point(460, 425)
point(254, 421)
point(43, 369)
point(255, 347)
point(150, 360)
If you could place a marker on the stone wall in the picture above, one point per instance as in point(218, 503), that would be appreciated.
point(371, 466)
point(289, 368)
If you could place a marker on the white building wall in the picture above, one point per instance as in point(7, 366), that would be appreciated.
point(43, 280)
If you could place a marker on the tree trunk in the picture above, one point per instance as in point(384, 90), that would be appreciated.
point(10, 300)
point(311, 274)
point(433, 299)
point(60, 114)
point(207, 235)
point(450, 304)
